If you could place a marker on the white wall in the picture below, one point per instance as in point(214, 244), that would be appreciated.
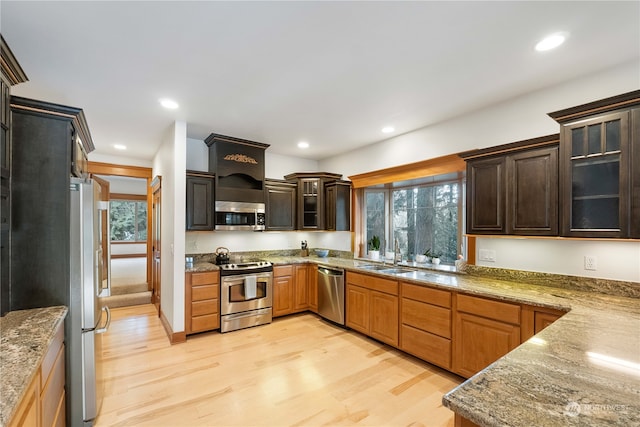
point(202, 242)
point(276, 165)
point(170, 163)
point(125, 185)
point(615, 260)
point(520, 118)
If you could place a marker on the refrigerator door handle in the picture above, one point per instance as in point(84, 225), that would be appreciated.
point(106, 326)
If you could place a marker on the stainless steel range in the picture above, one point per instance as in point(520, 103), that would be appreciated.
point(246, 295)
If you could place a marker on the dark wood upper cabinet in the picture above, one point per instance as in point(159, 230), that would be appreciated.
point(600, 167)
point(513, 188)
point(532, 192)
point(311, 212)
point(338, 206)
point(200, 201)
point(280, 201)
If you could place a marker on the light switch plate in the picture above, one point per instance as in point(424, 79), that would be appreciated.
point(487, 255)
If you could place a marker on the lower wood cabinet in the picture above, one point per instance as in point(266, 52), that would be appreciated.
point(425, 329)
point(485, 330)
point(202, 301)
point(372, 306)
point(313, 287)
point(535, 319)
point(283, 290)
point(295, 289)
point(43, 404)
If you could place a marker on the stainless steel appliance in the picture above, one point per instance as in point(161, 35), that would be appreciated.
point(246, 295)
point(236, 216)
point(331, 293)
point(87, 318)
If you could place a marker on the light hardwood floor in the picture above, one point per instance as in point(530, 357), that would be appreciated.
point(297, 371)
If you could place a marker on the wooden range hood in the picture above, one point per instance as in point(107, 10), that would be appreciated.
point(238, 165)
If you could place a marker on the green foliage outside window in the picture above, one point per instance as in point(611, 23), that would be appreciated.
point(421, 217)
point(128, 220)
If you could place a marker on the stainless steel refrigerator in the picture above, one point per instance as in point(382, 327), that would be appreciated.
point(88, 318)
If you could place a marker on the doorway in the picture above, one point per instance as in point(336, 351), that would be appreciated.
point(130, 260)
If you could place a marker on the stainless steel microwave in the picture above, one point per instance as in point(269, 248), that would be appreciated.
point(239, 216)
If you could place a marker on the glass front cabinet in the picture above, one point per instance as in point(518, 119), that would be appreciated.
point(599, 169)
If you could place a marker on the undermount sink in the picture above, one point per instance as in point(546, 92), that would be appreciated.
point(395, 270)
point(373, 266)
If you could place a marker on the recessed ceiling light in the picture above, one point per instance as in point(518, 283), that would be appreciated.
point(303, 144)
point(169, 103)
point(119, 147)
point(550, 42)
point(388, 129)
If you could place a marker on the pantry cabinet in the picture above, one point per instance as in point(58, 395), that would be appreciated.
point(485, 330)
point(513, 188)
point(200, 201)
point(599, 184)
point(202, 301)
point(372, 306)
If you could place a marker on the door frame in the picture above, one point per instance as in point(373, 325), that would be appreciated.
point(99, 168)
point(156, 237)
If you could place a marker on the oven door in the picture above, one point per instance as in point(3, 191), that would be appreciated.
point(245, 292)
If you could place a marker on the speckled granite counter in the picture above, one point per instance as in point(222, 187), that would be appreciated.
point(25, 336)
point(582, 370)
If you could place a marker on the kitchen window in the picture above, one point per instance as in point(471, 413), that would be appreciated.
point(128, 220)
point(422, 214)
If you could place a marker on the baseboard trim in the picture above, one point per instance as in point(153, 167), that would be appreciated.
point(174, 337)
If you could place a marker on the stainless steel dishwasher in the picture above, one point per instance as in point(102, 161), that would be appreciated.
point(331, 293)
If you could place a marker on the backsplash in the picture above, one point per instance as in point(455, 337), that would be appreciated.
point(578, 283)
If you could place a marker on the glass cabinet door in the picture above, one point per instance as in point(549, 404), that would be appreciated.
point(597, 176)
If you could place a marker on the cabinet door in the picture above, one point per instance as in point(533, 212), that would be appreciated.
point(301, 293)
point(313, 287)
point(357, 309)
point(479, 342)
point(594, 190)
point(338, 206)
point(384, 317)
point(280, 206)
point(635, 173)
point(310, 204)
point(199, 203)
point(532, 192)
point(282, 295)
point(486, 196)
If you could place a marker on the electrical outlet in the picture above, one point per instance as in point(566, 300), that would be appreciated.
point(487, 255)
point(590, 262)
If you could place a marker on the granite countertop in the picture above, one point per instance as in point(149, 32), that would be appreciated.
point(582, 370)
point(25, 337)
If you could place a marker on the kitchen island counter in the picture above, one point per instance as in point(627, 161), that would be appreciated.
point(25, 337)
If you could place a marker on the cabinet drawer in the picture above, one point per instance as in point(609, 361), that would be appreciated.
point(426, 346)
point(205, 323)
point(200, 308)
point(282, 270)
point(428, 295)
point(205, 278)
point(199, 293)
point(427, 317)
point(53, 391)
point(490, 309)
point(51, 356)
point(373, 283)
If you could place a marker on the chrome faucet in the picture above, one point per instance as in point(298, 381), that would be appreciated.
point(397, 256)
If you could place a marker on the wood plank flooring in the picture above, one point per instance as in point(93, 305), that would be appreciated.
point(297, 371)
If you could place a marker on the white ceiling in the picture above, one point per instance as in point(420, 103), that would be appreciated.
point(330, 73)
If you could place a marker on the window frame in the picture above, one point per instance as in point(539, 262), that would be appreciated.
point(135, 198)
point(388, 190)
